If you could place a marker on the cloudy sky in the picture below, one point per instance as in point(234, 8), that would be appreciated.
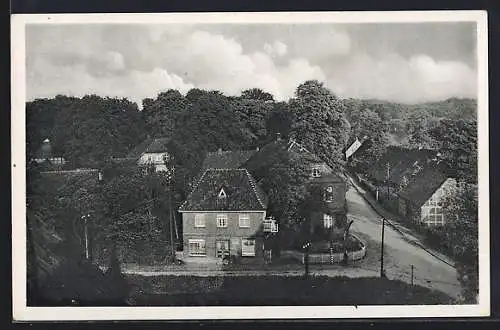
point(396, 62)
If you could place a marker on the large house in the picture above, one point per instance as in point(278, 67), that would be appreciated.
point(224, 215)
point(152, 152)
point(322, 176)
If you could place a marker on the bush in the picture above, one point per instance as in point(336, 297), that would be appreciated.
point(351, 244)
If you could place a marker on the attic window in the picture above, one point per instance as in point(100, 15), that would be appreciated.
point(222, 193)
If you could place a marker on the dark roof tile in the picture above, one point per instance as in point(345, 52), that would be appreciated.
point(227, 159)
point(424, 184)
point(150, 146)
point(243, 194)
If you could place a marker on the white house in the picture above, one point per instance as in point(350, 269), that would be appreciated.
point(422, 196)
point(152, 152)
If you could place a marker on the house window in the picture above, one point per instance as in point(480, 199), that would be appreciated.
point(270, 225)
point(329, 194)
point(247, 247)
point(222, 220)
point(197, 247)
point(244, 221)
point(199, 220)
point(315, 172)
point(222, 248)
point(327, 221)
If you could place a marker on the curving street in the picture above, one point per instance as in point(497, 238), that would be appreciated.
point(400, 253)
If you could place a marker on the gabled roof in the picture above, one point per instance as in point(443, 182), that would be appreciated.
point(79, 177)
point(242, 192)
point(402, 162)
point(149, 146)
point(259, 163)
point(424, 184)
point(227, 159)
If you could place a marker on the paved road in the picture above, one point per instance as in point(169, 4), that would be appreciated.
point(399, 254)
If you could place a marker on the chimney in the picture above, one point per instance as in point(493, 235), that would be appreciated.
point(278, 136)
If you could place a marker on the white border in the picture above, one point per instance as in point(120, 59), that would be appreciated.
point(23, 313)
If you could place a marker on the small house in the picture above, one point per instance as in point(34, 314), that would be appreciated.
point(46, 155)
point(150, 153)
point(421, 199)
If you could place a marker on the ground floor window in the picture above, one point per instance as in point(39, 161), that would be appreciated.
point(434, 216)
point(327, 221)
point(248, 247)
point(222, 248)
point(197, 247)
point(434, 220)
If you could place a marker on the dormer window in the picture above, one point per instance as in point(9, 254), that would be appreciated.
point(315, 172)
point(222, 193)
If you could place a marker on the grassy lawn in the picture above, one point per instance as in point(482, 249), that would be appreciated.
point(279, 290)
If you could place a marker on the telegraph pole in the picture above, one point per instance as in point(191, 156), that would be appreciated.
point(382, 274)
point(388, 171)
point(170, 214)
point(86, 234)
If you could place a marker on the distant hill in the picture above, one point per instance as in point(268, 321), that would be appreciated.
point(452, 108)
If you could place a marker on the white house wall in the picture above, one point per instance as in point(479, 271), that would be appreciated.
point(432, 211)
point(156, 159)
point(352, 149)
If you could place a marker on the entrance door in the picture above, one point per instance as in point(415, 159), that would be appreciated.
point(222, 248)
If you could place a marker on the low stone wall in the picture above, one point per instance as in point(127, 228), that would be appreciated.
point(327, 258)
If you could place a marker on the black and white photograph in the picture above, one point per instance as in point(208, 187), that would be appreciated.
point(250, 165)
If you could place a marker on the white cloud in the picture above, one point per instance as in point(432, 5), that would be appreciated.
point(213, 61)
point(138, 62)
point(47, 80)
point(276, 49)
point(419, 78)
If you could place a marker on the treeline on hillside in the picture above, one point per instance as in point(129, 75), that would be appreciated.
point(91, 129)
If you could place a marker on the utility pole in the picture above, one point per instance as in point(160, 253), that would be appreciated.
point(411, 275)
point(388, 171)
point(306, 258)
point(170, 215)
point(382, 274)
point(86, 233)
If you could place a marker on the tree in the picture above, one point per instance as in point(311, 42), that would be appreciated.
point(257, 94)
point(456, 140)
point(85, 130)
point(279, 120)
point(210, 124)
point(320, 123)
point(418, 125)
point(461, 235)
point(285, 184)
point(251, 112)
point(160, 114)
point(365, 122)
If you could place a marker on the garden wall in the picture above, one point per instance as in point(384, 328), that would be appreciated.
point(327, 258)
